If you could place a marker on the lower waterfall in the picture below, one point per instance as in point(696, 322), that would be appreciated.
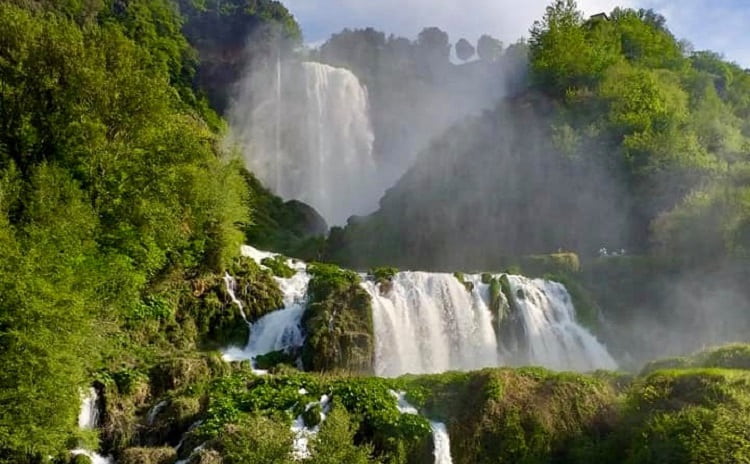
point(431, 322)
point(434, 322)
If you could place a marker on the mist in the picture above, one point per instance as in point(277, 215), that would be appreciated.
point(427, 160)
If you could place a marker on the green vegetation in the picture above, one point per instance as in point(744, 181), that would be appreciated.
point(278, 266)
point(533, 415)
point(121, 214)
point(115, 199)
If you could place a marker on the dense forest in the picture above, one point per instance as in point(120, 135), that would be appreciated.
point(123, 210)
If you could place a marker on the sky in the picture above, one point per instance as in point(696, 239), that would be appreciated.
point(719, 25)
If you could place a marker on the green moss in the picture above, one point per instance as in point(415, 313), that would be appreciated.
point(311, 416)
point(381, 274)
point(80, 459)
point(486, 277)
point(462, 278)
point(216, 318)
point(278, 266)
point(734, 356)
point(338, 322)
point(164, 455)
point(273, 359)
point(538, 265)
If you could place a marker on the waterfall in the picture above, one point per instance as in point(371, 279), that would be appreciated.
point(553, 337)
point(303, 433)
point(442, 441)
point(433, 322)
point(231, 286)
point(281, 329)
point(440, 437)
point(427, 323)
point(88, 419)
point(307, 135)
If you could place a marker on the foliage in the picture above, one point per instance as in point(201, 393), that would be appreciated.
point(334, 444)
point(255, 439)
point(278, 266)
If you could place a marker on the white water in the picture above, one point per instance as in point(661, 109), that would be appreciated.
point(440, 437)
point(278, 330)
point(88, 419)
point(303, 434)
point(153, 412)
point(442, 441)
point(310, 138)
point(427, 323)
point(554, 338)
point(231, 286)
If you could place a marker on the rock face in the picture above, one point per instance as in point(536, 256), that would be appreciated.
point(338, 322)
point(491, 188)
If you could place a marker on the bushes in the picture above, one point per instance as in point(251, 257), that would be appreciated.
point(165, 455)
point(278, 266)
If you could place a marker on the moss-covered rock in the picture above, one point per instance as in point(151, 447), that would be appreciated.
point(173, 420)
point(217, 319)
point(338, 322)
point(122, 401)
point(179, 372)
point(539, 265)
point(383, 277)
point(462, 278)
point(163, 455)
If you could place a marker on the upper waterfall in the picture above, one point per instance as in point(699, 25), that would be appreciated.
point(306, 133)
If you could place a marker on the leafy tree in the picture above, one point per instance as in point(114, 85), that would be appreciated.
point(464, 50)
point(489, 48)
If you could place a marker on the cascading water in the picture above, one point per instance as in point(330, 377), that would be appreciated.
point(303, 433)
point(552, 336)
point(278, 330)
point(311, 138)
point(88, 419)
point(426, 323)
point(440, 437)
point(433, 322)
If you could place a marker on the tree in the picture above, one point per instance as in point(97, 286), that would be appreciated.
point(489, 48)
point(568, 53)
point(464, 50)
